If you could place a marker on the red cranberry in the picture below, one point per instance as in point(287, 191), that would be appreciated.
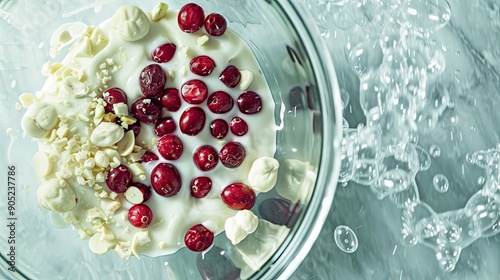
point(200, 186)
point(219, 128)
point(215, 24)
point(238, 196)
point(249, 102)
point(140, 215)
point(165, 126)
point(239, 127)
point(136, 127)
point(192, 121)
point(149, 157)
point(205, 158)
point(220, 102)
point(230, 76)
point(138, 193)
point(194, 91)
point(164, 53)
point(190, 18)
point(152, 80)
point(119, 179)
point(198, 238)
point(171, 99)
point(146, 110)
point(232, 154)
point(165, 179)
point(202, 65)
point(113, 96)
point(170, 147)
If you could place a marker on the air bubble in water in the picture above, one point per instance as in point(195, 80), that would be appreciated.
point(440, 183)
point(434, 151)
point(365, 56)
point(447, 257)
point(450, 233)
point(428, 15)
point(423, 157)
point(346, 239)
point(345, 97)
point(484, 209)
point(481, 180)
point(481, 159)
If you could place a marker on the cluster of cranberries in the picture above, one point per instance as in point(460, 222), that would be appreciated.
point(148, 109)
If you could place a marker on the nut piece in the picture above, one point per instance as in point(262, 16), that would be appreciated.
point(159, 11)
point(246, 79)
point(131, 23)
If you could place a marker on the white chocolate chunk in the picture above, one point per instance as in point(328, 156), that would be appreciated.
point(246, 79)
point(202, 40)
point(27, 99)
point(159, 11)
point(73, 86)
point(126, 146)
point(107, 234)
point(56, 195)
point(136, 169)
point(42, 164)
point(142, 237)
point(39, 119)
point(122, 249)
point(120, 109)
point(101, 159)
point(240, 225)
point(263, 174)
point(100, 246)
point(106, 134)
point(131, 23)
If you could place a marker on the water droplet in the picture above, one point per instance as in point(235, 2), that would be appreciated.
point(481, 180)
point(13, 83)
point(457, 53)
point(445, 47)
point(346, 239)
point(440, 183)
point(434, 151)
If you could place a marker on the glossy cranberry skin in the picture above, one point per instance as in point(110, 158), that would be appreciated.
point(152, 80)
point(136, 127)
point(113, 96)
point(194, 91)
point(190, 18)
point(238, 197)
point(171, 100)
point(165, 126)
point(119, 179)
point(220, 102)
point(249, 102)
point(198, 238)
point(205, 158)
point(219, 128)
point(146, 110)
point(202, 65)
point(232, 154)
point(170, 147)
point(149, 157)
point(165, 179)
point(192, 121)
point(163, 53)
point(231, 76)
point(215, 24)
point(238, 126)
point(140, 215)
point(200, 187)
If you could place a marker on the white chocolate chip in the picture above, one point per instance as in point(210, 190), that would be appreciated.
point(183, 71)
point(202, 40)
point(122, 249)
point(106, 134)
point(246, 79)
point(101, 159)
point(55, 196)
point(136, 169)
point(184, 51)
point(27, 99)
point(159, 11)
point(74, 87)
point(240, 225)
point(263, 174)
point(142, 238)
point(131, 23)
point(100, 246)
point(126, 146)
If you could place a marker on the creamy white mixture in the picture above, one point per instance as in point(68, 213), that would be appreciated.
point(78, 143)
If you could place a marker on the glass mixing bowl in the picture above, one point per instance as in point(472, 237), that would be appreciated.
point(303, 83)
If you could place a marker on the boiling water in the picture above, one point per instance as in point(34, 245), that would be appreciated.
point(415, 100)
